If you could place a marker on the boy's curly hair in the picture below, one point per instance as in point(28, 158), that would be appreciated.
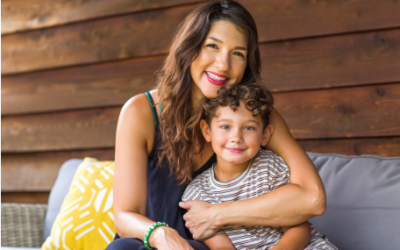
point(256, 98)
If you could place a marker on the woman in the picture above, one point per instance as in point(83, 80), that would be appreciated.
point(159, 148)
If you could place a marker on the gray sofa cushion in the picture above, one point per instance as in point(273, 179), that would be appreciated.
point(58, 193)
point(363, 201)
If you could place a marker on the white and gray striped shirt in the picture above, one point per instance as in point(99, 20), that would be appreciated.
point(266, 172)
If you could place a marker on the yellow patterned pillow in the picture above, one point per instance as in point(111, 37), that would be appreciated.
point(86, 219)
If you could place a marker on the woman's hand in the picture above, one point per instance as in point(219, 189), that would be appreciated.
point(166, 238)
point(200, 219)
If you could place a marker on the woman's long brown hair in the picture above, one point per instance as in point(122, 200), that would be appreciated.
point(181, 137)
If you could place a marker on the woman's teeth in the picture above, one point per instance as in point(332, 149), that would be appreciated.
point(215, 77)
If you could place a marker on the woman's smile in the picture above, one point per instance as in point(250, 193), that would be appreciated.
point(216, 79)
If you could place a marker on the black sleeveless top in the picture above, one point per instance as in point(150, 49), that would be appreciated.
point(163, 192)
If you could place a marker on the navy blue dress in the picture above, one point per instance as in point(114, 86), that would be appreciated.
point(163, 196)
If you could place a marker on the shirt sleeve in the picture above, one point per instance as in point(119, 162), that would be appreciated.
point(281, 174)
point(192, 192)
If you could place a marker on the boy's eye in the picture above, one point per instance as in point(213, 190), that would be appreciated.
point(225, 127)
point(248, 128)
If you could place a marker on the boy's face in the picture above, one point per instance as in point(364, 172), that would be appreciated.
point(236, 136)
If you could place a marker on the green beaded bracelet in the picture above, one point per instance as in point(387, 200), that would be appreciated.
point(151, 229)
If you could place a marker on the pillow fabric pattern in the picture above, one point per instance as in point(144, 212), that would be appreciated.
point(86, 219)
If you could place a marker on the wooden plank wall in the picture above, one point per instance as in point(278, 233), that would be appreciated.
point(68, 67)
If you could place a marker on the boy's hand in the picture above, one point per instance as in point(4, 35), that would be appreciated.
point(200, 219)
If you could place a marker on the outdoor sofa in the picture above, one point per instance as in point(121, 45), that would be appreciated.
point(363, 205)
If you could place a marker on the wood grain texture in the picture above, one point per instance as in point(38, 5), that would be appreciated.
point(25, 197)
point(366, 111)
point(20, 15)
point(276, 19)
point(84, 129)
point(149, 33)
point(99, 85)
point(135, 35)
point(347, 60)
point(38, 171)
point(353, 59)
point(287, 19)
point(386, 146)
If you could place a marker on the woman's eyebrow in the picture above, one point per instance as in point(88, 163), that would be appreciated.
point(218, 40)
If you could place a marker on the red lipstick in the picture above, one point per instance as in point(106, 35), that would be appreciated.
point(216, 82)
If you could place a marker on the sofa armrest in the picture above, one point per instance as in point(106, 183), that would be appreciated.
point(22, 224)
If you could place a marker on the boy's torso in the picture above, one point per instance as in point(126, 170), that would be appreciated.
point(267, 172)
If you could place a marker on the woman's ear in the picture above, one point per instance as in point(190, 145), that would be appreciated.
point(268, 131)
point(205, 129)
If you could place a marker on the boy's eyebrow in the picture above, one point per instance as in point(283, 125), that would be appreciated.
point(223, 120)
point(218, 40)
point(227, 120)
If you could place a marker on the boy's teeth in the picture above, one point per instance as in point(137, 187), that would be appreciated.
point(215, 77)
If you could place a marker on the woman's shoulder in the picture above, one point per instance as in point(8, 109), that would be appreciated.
point(140, 105)
point(137, 120)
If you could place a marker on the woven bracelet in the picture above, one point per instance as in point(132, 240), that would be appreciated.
point(151, 229)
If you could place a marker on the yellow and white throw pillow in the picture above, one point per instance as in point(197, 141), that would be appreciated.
point(86, 219)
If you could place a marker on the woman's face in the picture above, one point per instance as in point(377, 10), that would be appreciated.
point(221, 60)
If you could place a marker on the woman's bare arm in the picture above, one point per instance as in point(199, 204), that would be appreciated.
point(134, 141)
point(286, 206)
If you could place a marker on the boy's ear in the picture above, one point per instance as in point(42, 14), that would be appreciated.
point(205, 129)
point(268, 131)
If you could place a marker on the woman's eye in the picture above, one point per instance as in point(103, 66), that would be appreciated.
point(212, 46)
point(239, 54)
point(225, 127)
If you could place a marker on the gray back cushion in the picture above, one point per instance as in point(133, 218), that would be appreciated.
point(58, 193)
point(363, 201)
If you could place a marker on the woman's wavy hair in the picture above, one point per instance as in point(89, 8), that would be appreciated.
point(181, 138)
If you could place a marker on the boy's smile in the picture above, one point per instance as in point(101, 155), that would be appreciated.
point(236, 137)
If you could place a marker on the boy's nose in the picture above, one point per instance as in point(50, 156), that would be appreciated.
point(236, 137)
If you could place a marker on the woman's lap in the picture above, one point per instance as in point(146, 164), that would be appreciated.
point(136, 244)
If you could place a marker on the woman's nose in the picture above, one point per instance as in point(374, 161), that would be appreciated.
point(222, 61)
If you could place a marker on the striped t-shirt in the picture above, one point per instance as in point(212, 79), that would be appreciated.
point(266, 172)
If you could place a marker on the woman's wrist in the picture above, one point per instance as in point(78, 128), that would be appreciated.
point(219, 214)
point(156, 236)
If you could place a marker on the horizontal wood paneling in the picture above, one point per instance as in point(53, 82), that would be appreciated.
point(25, 197)
point(389, 146)
point(344, 112)
point(78, 87)
point(353, 59)
point(117, 37)
point(286, 19)
point(137, 35)
point(85, 129)
point(360, 58)
point(276, 19)
point(19, 15)
point(38, 171)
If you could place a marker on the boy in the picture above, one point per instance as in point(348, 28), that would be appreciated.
point(236, 123)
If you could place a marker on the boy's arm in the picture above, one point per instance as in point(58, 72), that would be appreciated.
point(220, 241)
point(294, 238)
